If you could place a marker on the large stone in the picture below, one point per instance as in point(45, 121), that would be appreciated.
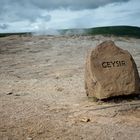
point(110, 71)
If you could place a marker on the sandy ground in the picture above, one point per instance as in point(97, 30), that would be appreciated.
point(42, 95)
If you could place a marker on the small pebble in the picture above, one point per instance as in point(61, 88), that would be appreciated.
point(17, 94)
point(85, 120)
point(29, 138)
point(59, 89)
point(10, 93)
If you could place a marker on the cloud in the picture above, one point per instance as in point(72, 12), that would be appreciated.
point(18, 12)
point(56, 4)
point(72, 4)
point(4, 26)
point(35, 15)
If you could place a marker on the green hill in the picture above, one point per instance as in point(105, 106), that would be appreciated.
point(129, 31)
point(20, 34)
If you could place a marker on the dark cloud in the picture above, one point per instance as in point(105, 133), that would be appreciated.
point(72, 4)
point(31, 10)
point(56, 4)
point(14, 11)
point(31, 15)
point(4, 26)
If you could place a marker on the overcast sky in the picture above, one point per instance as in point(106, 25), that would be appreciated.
point(40, 15)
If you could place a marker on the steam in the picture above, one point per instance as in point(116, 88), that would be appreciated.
point(47, 32)
point(59, 32)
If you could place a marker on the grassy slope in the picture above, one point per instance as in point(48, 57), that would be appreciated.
point(110, 30)
point(9, 34)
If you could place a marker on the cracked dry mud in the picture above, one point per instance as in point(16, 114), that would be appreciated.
point(42, 95)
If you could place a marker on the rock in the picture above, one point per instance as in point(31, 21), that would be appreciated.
point(9, 93)
point(85, 120)
point(17, 94)
point(110, 71)
point(29, 138)
point(60, 89)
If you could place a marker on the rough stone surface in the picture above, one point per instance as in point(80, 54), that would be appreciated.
point(110, 71)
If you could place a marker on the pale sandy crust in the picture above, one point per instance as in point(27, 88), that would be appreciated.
point(42, 93)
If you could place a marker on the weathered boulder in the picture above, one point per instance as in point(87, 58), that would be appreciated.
point(110, 71)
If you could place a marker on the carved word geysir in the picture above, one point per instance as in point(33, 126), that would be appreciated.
point(110, 64)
